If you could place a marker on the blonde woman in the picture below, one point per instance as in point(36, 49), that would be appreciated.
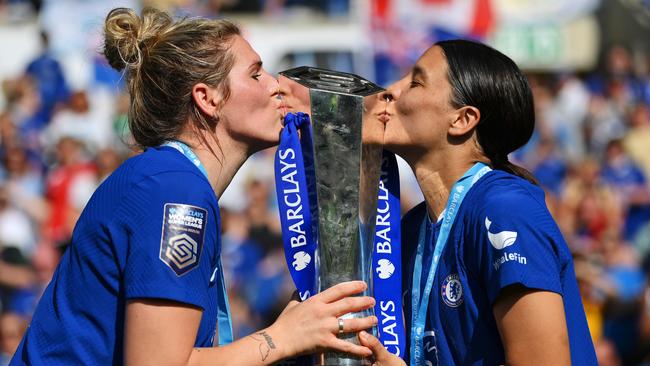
point(141, 283)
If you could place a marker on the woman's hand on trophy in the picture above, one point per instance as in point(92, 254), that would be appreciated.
point(380, 355)
point(312, 326)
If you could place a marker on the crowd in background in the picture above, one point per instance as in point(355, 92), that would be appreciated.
point(16, 10)
point(590, 152)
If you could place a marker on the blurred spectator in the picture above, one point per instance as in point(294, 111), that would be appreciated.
point(264, 223)
point(594, 289)
point(18, 169)
point(12, 327)
point(561, 111)
point(15, 273)
point(46, 72)
point(260, 278)
point(24, 182)
point(637, 139)
point(572, 104)
point(16, 230)
point(603, 123)
point(269, 292)
point(243, 320)
point(623, 310)
point(82, 120)
point(8, 130)
point(589, 209)
point(240, 253)
point(68, 187)
point(644, 341)
point(606, 353)
point(18, 293)
point(19, 10)
point(24, 105)
point(550, 169)
point(618, 79)
point(628, 181)
point(106, 161)
point(258, 166)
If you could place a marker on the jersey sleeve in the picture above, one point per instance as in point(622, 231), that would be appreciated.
point(515, 241)
point(172, 234)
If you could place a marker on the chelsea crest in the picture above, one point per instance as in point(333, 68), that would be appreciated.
point(452, 291)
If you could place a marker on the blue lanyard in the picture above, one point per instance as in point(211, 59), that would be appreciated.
point(189, 154)
point(420, 303)
point(223, 309)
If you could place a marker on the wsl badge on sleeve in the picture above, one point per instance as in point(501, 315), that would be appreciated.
point(183, 233)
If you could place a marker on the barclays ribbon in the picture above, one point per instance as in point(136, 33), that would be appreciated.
point(224, 321)
point(387, 259)
point(296, 204)
point(295, 184)
point(296, 192)
point(420, 302)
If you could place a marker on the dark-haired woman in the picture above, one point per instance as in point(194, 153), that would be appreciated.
point(488, 278)
point(141, 283)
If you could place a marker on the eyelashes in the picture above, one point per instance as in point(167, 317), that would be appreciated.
point(414, 83)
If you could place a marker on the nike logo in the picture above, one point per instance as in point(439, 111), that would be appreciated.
point(501, 239)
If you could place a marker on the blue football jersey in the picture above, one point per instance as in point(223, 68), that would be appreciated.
point(503, 235)
point(149, 231)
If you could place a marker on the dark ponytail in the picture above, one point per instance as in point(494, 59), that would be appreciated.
point(514, 169)
point(485, 78)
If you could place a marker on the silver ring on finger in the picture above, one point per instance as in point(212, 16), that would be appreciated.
point(341, 326)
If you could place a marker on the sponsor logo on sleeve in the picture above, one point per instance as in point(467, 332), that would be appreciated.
point(500, 241)
point(506, 257)
point(183, 234)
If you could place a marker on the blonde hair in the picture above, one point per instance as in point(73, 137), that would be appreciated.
point(162, 59)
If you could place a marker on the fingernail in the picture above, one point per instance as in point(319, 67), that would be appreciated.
point(375, 320)
point(363, 335)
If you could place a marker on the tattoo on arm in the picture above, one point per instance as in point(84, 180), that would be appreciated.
point(266, 344)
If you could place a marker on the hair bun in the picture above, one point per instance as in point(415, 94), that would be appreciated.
point(126, 35)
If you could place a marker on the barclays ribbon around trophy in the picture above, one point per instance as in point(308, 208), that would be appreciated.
point(338, 196)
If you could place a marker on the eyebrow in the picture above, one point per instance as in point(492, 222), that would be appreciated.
point(255, 66)
point(418, 72)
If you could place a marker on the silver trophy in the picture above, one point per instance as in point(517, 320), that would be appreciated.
point(347, 156)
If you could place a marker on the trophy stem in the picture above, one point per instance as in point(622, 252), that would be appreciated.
point(347, 180)
point(347, 164)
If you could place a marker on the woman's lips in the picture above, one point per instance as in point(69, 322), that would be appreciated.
point(284, 109)
point(384, 117)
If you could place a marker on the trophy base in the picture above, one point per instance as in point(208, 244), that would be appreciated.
point(342, 359)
